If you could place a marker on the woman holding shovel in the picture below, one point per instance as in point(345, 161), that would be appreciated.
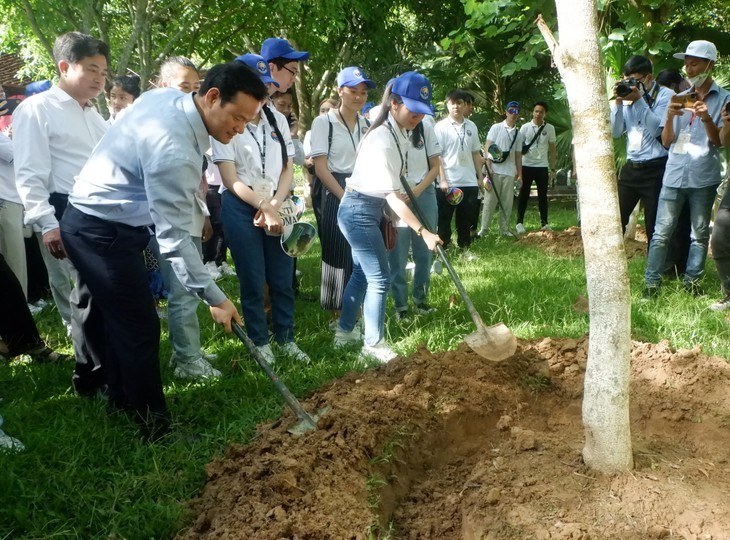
point(374, 185)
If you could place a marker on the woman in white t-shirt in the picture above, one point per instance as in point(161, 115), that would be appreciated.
point(335, 137)
point(374, 184)
point(257, 170)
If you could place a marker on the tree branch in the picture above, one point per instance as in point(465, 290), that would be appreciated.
point(37, 29)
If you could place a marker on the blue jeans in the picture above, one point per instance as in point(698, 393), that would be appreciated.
point(422, 256)
point(259, 260)
point(359, 220)
point(671, 201)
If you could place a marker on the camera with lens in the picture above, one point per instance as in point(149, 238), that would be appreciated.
point(623, 87)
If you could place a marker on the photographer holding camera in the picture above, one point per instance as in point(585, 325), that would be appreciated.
point(693, 170)
point(639, 111)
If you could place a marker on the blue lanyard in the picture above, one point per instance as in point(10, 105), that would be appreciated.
point(262, 153)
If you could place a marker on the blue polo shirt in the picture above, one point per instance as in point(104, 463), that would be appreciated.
point(699, 165)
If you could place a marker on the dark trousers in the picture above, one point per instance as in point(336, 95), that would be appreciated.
point(641, 182)
point(108, 258)
point(540, 177)
point(214, 249)
point(38, 287)
point(17, 328)
point(467, 211)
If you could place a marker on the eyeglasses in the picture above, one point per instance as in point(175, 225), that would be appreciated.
point(513, 111)
point(293, 72)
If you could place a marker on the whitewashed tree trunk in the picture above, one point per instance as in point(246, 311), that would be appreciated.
point(606, 388)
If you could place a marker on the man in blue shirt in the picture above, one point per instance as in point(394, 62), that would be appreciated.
point(146, 171)
point(692, 128)
point(640, 115)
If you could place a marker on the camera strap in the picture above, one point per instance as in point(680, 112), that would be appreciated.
point(651, 99)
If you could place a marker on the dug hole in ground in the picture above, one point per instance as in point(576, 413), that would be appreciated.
point(451, 446)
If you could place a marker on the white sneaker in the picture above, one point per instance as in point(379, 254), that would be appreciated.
point(199, 370)
point(37, 307)
point(721, 305)
point(520, 228)
point(291, 349)
point(213, 270)
point(507, 234)
point(345, 339)
point(546, 227)
point(267, 353)
point(226, 270)
point(10, 444)
point(380, 352)
point(208, 356)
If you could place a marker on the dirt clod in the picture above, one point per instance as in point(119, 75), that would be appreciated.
point(451, 447)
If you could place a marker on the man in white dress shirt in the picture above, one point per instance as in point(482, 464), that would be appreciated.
point(146, 171)
point(54, 133)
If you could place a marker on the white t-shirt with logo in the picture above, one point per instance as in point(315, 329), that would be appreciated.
point(537, 156)
point(458, 142)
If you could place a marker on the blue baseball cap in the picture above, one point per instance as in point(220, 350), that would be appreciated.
point(259, 65)
point(37, 87)
point(280, 48)
point(365, 108)
point(352, 76)
point(415, 91)
point(513, 105)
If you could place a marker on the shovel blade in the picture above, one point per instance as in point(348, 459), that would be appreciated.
point(494, 343)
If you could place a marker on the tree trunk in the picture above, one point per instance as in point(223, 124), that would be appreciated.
point(606, 387)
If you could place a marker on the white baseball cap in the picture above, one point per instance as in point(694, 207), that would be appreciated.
point(699, 49)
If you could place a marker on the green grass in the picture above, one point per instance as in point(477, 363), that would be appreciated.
point(84, 476)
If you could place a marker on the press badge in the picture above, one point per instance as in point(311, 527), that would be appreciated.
point(263, 190)
point(634, 140)
point(680, 147)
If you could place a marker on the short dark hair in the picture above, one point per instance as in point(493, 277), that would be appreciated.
point(280, 61)
point(231, 78)
point(638, 64)
point(540, 104)
point(168, 67)
point(72, 47)
point(128, 83)
point(278, 94)
point(459, 94)
point(669, 77)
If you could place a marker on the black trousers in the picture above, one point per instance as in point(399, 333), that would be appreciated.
point(467, 211)
point(17, 327)
point(214, 249)
point(641, 182)
point(720, 243)
point(540, 176)
point(108, 258)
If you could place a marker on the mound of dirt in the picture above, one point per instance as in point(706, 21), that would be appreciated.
point(450, 446)
point(569, 243)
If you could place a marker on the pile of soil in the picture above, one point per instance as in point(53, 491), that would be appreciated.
point(451, 446)
point(569, 243)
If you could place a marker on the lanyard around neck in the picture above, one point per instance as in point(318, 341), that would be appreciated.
point(354, 146)
point(461, 133)
point(262, 151)
point(403, 162)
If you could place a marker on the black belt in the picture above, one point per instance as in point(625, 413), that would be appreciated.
point(648, 163)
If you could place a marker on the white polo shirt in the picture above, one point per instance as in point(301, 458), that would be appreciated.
point(502, 135)
point(53, 137)
point(420, 152)
point(458, 142)
point(247, 149)
point(8, 191)
point(341, 155)
point(537, 156)
point(381, 161)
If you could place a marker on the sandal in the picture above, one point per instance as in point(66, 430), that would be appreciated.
point(46, 355)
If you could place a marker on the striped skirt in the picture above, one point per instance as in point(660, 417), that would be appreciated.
point(336, 252)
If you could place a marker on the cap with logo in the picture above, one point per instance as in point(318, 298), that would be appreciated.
point(699, 49)
point(352, 76)
point(259, 65)
point(280, 48)
point(513, 105)
point(415, 91)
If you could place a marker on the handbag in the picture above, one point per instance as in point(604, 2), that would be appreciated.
point(388, 229)
point(526, 147)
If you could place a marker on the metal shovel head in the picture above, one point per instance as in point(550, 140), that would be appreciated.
point(305, 425)
point(298, 238)
point(495, 343)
